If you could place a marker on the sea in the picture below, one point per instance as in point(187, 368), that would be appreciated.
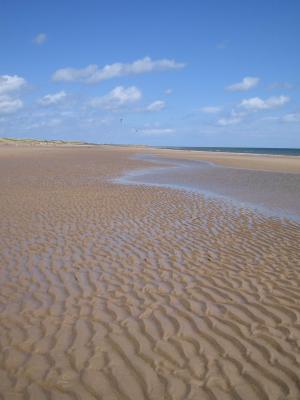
point(248, 150)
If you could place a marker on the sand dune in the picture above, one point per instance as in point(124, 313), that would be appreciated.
point(131, 292)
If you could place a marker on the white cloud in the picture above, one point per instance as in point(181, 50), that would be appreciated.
point(291, 117)
point(157, 105)
point(40, 38)
point(256, 103)
point(52, 122)
point(51, 99)
point(9, 87)
point(211, 109)
point(9, 105)
point(118, 97)
point(281, 85)
point(11, 83)
point(157, 131)
point(93, 73)
point(229, 121)
point(168, 92)
point(73, 74)
point(247, 83)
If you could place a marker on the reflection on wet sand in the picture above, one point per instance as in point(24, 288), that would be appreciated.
point(274, 193)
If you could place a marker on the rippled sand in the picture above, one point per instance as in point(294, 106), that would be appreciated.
point(132, 292)
point(273, 193)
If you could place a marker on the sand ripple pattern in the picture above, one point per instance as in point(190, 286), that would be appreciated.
point(114, 292)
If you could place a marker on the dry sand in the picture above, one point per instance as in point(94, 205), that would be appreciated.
point(131, 292)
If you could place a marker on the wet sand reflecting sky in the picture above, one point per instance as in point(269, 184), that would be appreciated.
point(276, 193)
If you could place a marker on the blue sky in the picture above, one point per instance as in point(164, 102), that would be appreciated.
point(194, 73)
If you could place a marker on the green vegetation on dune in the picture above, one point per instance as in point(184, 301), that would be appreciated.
point(38, 141)
point(28, 141)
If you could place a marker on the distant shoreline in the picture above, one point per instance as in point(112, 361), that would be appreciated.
point(263, 151)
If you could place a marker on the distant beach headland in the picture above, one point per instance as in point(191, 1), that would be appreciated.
point(29, 141)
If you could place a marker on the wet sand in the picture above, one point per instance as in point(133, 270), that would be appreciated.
point(289, 164)
point(273, 193)
point(113, 291)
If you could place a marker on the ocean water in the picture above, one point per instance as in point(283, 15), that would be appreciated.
point(250, 150)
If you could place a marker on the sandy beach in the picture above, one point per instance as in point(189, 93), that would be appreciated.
point(130, 292)
point(290, 164)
